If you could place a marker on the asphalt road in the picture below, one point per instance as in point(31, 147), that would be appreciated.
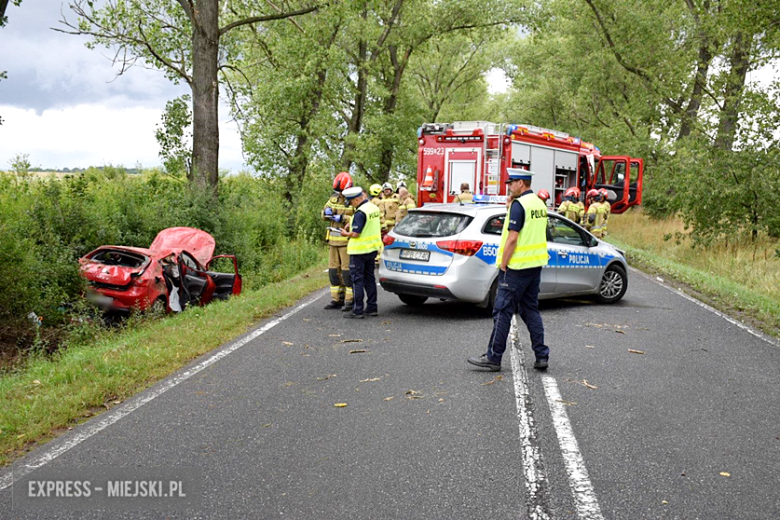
point(687, 428)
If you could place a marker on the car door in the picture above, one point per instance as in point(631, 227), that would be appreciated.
point(495, 225)
point(199, 286)
point(227, 284)
point(577, 268)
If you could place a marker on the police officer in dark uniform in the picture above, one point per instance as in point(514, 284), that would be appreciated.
point(520, 258)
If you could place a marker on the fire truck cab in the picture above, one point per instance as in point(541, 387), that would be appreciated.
point(478, 153)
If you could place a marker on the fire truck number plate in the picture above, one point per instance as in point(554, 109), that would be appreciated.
point(411, 254)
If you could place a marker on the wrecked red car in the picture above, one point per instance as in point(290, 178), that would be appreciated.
point(171, 274)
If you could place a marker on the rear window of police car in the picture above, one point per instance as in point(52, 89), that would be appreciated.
point(422, 224)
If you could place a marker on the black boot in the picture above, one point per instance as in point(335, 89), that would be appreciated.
point(333, 305)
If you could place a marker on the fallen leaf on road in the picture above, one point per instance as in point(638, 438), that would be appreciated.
point(305, 319)
point(352, 341)
point(725, 474)
point(497, 378)
point(441, 400)
point(267, 425)
point(388, 398)
point(288, 383)
point(386, 323)
point(620, 331)
point(588, 385)
point(373, 379)
point(357, 351)
point(413, 394)
point(636, 351)
point(664, 502)
point(288, 343)
point(334, 335)
point(326, 377)
point(340, 405)
point(567, 403)
point(589, 346)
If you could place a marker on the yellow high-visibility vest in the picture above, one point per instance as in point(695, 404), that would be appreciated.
point(370, 238)
point(531, 248)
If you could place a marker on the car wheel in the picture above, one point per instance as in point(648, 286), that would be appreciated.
point(414, 301)
point(158, 308)
point(491, 298)
point(614, 283)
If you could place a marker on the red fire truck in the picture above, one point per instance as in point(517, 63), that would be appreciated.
point(478, 153)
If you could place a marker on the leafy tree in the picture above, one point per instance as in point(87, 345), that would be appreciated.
point(191, 40)
point(174, 136)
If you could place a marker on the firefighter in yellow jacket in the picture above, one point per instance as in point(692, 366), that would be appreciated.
point(608, 207)
point(375, 191)
point(407, 203)
point(338, 213)
point(571, 208)
point(389, 207)
point(465, 196)
point(596, 215)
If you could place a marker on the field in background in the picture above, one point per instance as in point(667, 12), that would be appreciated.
point(738, 275)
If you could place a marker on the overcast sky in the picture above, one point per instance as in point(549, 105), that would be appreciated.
point(64, 105)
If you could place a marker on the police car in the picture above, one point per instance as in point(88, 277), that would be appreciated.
point(448, 251)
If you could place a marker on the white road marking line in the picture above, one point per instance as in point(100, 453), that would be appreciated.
point(703, 305)
point(91, 428)
point(535, 478)
point(584, 496)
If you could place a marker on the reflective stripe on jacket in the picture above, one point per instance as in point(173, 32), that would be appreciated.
point(531, 248)
point(370, 238)
point(338, 206)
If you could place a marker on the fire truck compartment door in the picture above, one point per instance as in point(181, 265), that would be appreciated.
point(462, 166)
point(614, 173)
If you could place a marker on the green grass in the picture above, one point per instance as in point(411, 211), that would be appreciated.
point(50, 394)
point(740, 277)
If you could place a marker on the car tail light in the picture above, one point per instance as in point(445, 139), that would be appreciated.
point(461, 247)
point(388, 240)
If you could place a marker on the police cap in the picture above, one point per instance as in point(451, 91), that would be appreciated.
point(518, 174)
point(351, 193)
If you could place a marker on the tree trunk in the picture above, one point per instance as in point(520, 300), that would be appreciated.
point(729, 114)
point(691, 114)
point(387, 155)
point(205, 96)
point(355, 123)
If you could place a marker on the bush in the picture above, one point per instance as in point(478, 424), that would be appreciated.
point(47, 224)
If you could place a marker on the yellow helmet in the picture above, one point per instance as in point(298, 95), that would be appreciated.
point(375, 190)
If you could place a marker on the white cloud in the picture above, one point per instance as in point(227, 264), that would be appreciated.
point(64, 106)
point(94, 135)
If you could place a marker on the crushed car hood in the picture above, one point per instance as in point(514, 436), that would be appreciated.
point(195, 241)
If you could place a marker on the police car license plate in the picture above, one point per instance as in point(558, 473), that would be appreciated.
point(411, 254)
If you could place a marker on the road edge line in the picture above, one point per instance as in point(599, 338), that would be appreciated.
point(747, 328)
point(104, 421)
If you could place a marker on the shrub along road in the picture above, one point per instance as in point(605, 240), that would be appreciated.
point(663, 410)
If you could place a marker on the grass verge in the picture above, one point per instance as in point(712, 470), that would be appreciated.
point(50, 395)
point(739, 278)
